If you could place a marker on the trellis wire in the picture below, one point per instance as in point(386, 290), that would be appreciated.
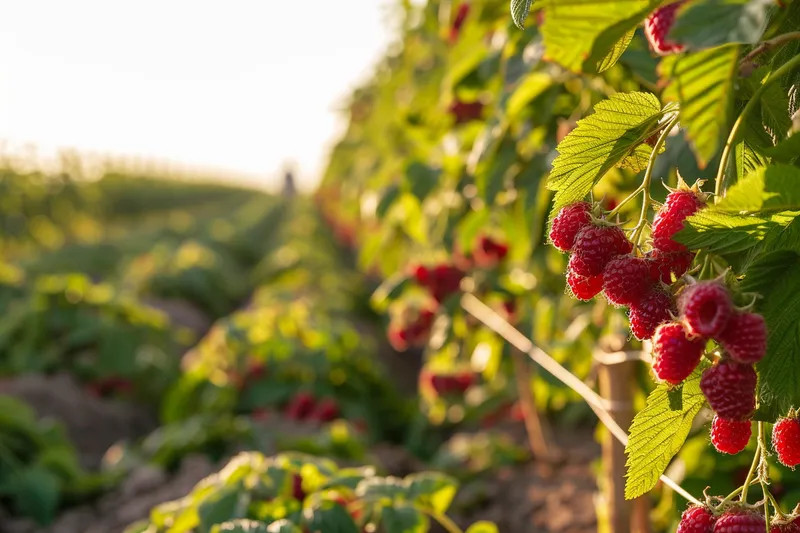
point(502, 327)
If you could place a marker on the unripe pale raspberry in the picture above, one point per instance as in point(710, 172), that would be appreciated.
point(696, 519)
point(669, 220)
point(706, 308)
point(655, 308)
point(786, 441)
point(740, 521)
point(663, 265)
point(676, 355)
point(656, 29)
point(569, 221)
point(626, 279)
point(730, 389)
point(745, 337)
point(730, 436)
point(595, 246)
point(584, 288)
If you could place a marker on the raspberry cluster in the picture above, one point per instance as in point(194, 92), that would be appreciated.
point(657, 26)
point(736, 518)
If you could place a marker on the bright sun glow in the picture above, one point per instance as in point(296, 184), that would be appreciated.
point(245, 85)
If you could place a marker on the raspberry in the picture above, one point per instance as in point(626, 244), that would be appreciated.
point(444, 280)
point(706, 308)
point(664, 265)
point(696, 519)
point(657, 26)
point(300, 406)
point(785, 527)
point(569, 221)
point(489, 252)
point(676, 355)
point(730, 389)
point(297, 487)
point(422, 274)
point(786, 441)
point(584, 288)
point(466, 111)
point(595, 246)
point(626, 279)
point(745, 337)
point(669, 220)
point(740, 521)
point(730, 436)
point(654, 308)
point(326, 411)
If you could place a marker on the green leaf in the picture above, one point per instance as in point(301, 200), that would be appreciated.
point(421, 179)
point(786, 151)
point(491, 171)
point(329, 517)
point(766, 190)
point(249, 526)
point(585, 35)
point(726, 233)
point(36, 493)
point(432, 490)
point(616, 51)
point(482, 527)
point(776, 276)
point(703, 84)
point(469, 227)
point(713, 23)
point(222, 506)
point(519, 12)
point(747, 159)
point(384, 489)
point(531, 87)
point(403, 518)
point(658, 432)
point(613, 132)
point(390, 195)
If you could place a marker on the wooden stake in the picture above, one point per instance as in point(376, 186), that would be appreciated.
point(537, 428)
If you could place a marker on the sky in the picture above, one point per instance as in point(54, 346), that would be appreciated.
point(245, 85)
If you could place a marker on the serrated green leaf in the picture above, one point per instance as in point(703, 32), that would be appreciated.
point(766, 190)
point(657, 434)
point(747, 160)
point(519, 12)
point(726, 233)
point(711, 23)
point(490, 173)
point(482, 527)
point(703, 84)
point(222, 506)
point(403, 518)
point(616, 51)
point(785, 151)
point(584, 35)
point(774, 105)
point(613, 132)
point(776, 277)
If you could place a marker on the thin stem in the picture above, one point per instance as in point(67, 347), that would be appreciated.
point(780, 40)
point(444, 521)
point(648, 176)
point(749, 479)
point(726, 152)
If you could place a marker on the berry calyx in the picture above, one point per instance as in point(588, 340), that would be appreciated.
point(696, 519)
point(595, 246)
point(657, 26)
point(654, 308)
point(626, 279)
point(568, 223)
point(676, 354)
point(679, 204)
point(706, 308)
point(740, 521)
point(730, 436)
point(584, 288)
point(786, 441)
point(745, 337)
point(730, 389)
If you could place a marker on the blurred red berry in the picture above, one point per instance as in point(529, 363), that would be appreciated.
point(301, 406)
point(326, 411)
point(489, 252)
point(657, 26)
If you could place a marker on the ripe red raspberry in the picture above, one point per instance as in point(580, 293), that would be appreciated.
point(657, 26)
point(300, 406)
point(706, 308)
point(584, 288)
point(696, 519)
point(326, 411)
point(595, 246)
point(669, 220)
point(489, 252)
point(464, 112)
point(422, 274)
point(676, 355)
point(444, 280)
point(730, 436)
point(785, 527)
point(655, 307)
point(297, 488)
point(786, 441)
point(740, 521)
point(626, 279)
point(730, 389)
point(569, 221)
point(663, 265)
point(745, 337)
